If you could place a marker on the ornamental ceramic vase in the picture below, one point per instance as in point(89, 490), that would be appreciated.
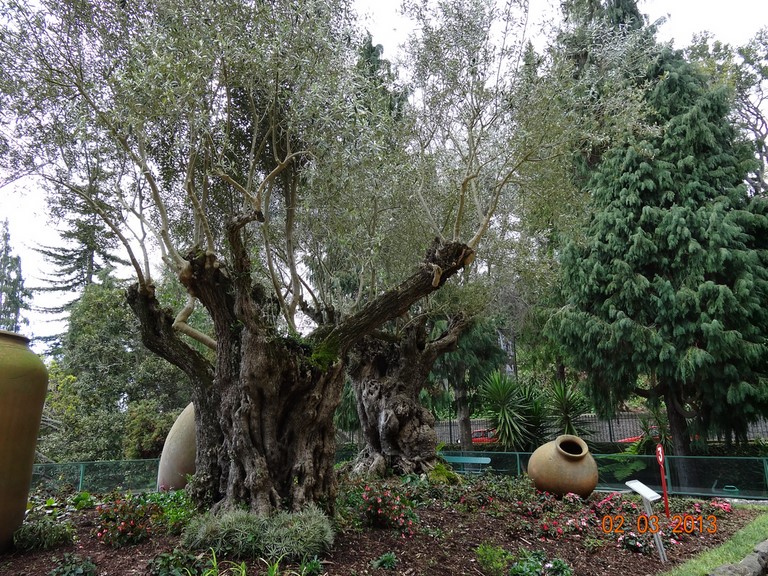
point(178, 458)
point(23, 383)
point(563, 465)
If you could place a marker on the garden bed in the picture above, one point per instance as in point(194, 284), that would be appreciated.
point(451, 529)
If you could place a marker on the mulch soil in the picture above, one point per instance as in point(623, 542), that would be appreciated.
point(443, 544)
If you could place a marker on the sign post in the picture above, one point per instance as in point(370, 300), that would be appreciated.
point(649, 496)
point(660, 460)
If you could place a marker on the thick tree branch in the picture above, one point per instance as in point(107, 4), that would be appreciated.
point(450, 257)
point(159, 336)
point(449, 339)
point(180, 324)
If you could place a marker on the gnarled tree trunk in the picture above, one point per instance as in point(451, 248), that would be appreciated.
point(387, 377)
point(681, 441)
point(264, 409)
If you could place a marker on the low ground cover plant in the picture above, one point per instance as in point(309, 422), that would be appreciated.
point(126, 519)
point(74, 565)
point(609, 519)
point(47, 524)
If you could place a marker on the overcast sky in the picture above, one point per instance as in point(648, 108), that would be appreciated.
point(734, 22)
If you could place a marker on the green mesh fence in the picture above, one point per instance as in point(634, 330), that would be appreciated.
point(96, 477)
point(705, 476)
point(741, 477)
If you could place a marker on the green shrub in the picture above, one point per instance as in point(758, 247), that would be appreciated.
point(493, 560)
point(74, 565)
point(241, 534)
point(177, 563)
point(557, 567)
point(82, 501)
point(535, 563)
point(388, 561)
point(176, 509)
point(42, 532)
point(528, 567)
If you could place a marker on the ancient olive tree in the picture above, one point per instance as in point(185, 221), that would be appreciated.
point(223, 133)
point(470, 135)
point(494, 127)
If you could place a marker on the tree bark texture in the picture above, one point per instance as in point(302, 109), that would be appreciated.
point(264, 408)
point(678, 429)
point(387, 378)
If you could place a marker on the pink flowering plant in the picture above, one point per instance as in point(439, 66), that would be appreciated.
point(125, 520)
point(383, 508)
point(475, 501)
point(716, 507)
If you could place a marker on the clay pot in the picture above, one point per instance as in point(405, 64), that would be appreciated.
point(178, 458)
point(563, 465)
point(23, 384)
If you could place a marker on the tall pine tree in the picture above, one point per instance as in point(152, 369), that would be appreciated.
point(13, 296)
point(670, 286)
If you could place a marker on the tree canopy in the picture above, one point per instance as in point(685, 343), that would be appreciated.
point(232, 139)
point(103, 380)
point(670, 282)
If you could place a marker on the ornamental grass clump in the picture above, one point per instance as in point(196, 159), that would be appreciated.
point(290, 536)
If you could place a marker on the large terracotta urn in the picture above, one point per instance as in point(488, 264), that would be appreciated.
point(563, 465)
point(23, 384)
point(177, 460)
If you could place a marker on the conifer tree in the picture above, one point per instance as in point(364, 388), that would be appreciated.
point(670, 285)
point(13, 296)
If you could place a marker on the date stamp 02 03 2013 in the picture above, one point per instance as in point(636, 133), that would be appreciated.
point(680, 524)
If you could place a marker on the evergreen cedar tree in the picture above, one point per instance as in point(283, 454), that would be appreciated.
point(669, 287)
point(14, 297)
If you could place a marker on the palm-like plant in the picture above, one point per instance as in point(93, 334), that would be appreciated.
point(565, 404)
point(517, 410)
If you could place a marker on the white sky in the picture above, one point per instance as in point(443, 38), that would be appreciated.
point(734, 22)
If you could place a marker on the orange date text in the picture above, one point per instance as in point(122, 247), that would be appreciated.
point(678, 524)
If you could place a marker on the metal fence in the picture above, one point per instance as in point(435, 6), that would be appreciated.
point(706, 476)
point(625, 425)
point(703, 476)
point(96, 477)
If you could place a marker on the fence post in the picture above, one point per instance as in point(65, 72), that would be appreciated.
point(82, 474)
point(610, 430)
point(668, 474)
point(765, 471)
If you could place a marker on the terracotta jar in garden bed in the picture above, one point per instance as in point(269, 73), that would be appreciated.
point(177, 460)
point(563, 465)
point(23, 383)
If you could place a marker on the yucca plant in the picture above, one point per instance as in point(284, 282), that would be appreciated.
point(565, 403)
point(517, 410)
